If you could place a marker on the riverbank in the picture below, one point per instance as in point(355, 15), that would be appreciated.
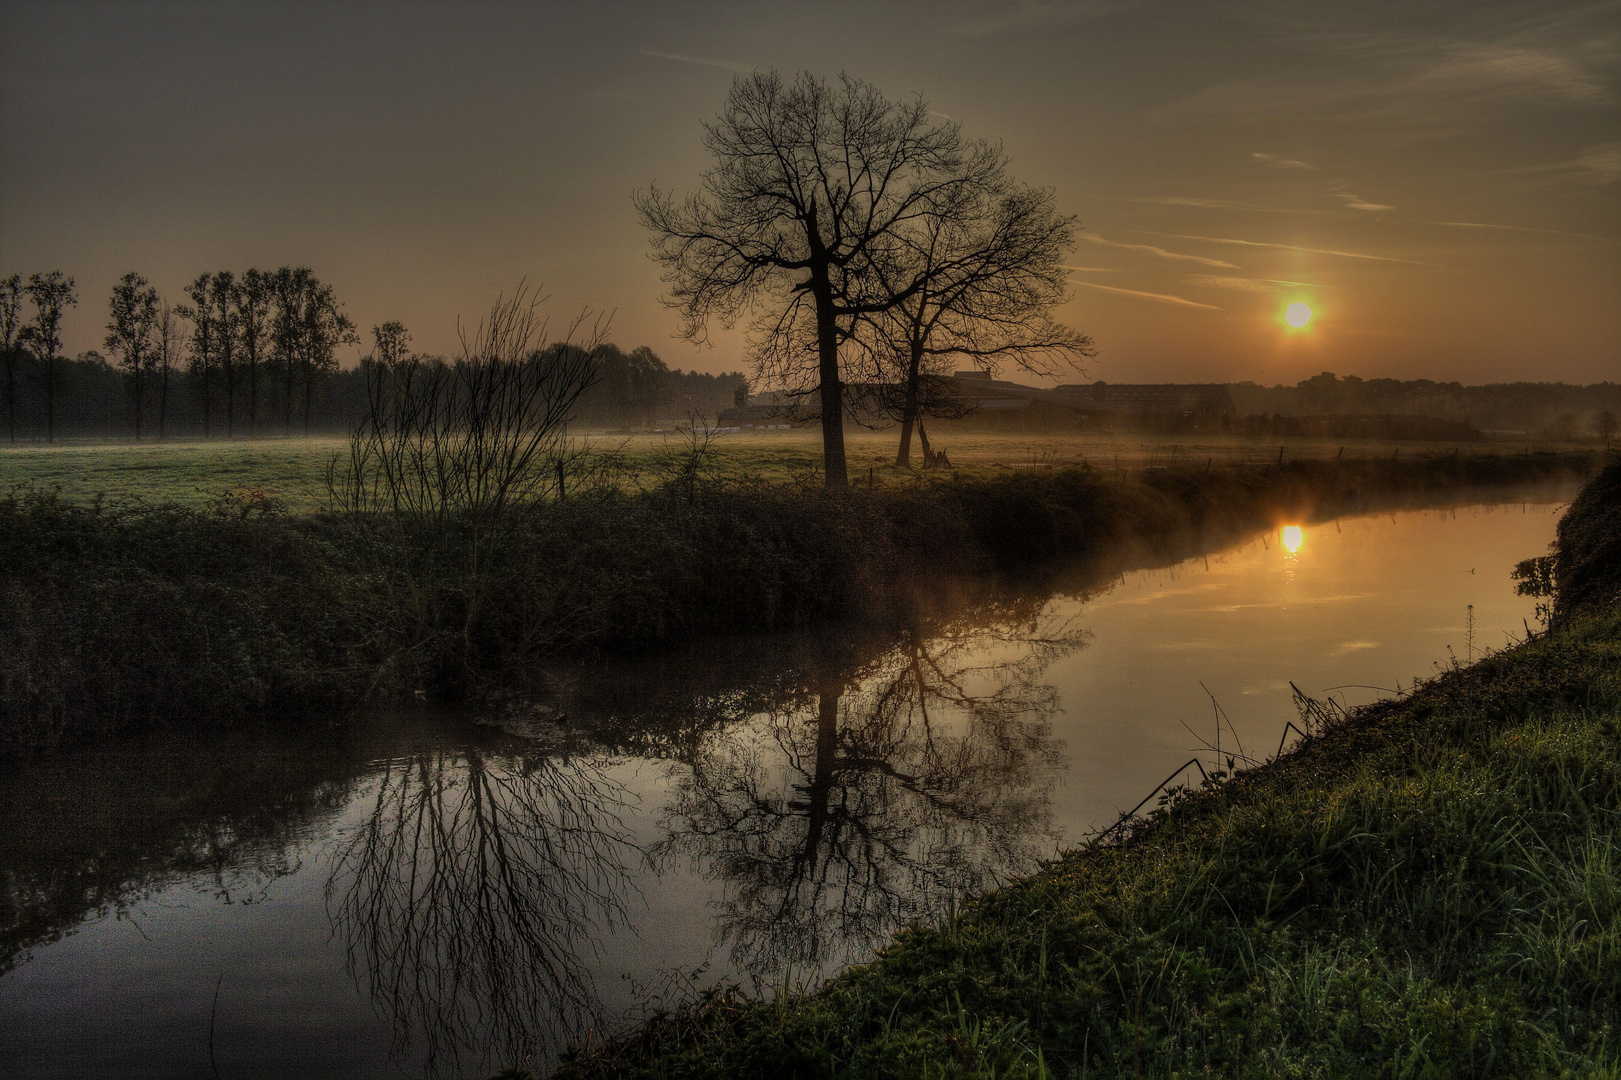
point(119, 614)
point(1428, 886)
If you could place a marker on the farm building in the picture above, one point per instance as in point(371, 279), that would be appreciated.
point(978, 399)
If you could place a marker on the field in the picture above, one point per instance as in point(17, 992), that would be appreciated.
point(191, 473)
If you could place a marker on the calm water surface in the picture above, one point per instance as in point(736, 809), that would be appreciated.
point(433, 895)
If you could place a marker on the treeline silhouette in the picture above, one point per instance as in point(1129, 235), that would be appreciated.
point(253, 355)
point(1554, 410)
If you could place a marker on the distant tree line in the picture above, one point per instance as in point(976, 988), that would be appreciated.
point(1551, 410)
point(252, 355)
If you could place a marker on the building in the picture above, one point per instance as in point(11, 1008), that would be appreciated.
point(980, 400)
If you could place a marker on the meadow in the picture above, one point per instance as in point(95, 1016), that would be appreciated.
point(293, 472)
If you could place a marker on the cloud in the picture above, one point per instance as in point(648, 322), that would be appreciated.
point(1598, 165)
point(1496, 69)
point(725, 65)
point(1521, 229)
point(1162, 298)
point(1161, 252)
point(1291, 247)
point(1217, 204)
point(1092, 269)
point(1216, 281)
point(1282, 163)
point(1260, 285)
point(1353, 202)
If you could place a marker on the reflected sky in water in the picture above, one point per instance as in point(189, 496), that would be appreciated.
point(434, 896)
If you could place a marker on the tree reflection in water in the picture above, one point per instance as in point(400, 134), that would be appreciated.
point(868, 803)
point(471, 890)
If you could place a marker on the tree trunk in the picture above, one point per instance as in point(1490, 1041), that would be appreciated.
point(832, 388)
point(923, 437)
point(903, 459)
point(50, 398)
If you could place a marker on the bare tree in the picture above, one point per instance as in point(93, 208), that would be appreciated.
point(1604, 424)
point(253, 297)
point(204, 342)
point(306, 328)
point(171, 344)
point(221, 298)
point(990, 271)
point(133, 312)
point(391, 344)
point(812, 187)
point(11, 351)
point(52, 294)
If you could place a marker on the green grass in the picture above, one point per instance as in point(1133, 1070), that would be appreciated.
point(1428, 889)
point(192, 473)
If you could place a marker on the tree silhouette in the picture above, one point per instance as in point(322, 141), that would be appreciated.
point(131, 328)
point(11, 351)
point(52, 294)
point(989, 271)
point(812, 188)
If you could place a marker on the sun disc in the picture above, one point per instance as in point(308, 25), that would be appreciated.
point(1292, 538)
point(1297, 315)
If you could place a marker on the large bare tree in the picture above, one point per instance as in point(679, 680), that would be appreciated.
point(813, 186)
point(985, 274)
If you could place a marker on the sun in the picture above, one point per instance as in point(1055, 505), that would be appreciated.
point(1297, 315)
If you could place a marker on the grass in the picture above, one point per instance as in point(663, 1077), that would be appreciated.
point(1428, 887)
point(293, 472)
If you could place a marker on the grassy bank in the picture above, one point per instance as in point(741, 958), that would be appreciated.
point(1429, 886)
point(117, 613)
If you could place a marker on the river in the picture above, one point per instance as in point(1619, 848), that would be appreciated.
point(433, 893)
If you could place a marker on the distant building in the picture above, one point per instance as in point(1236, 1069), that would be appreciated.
point(980, 400)
point(1158, 405)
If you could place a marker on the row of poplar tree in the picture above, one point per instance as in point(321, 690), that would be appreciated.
point(249, 349)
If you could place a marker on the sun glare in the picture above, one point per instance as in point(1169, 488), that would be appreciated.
point(1292, 538)
point(1297, 315)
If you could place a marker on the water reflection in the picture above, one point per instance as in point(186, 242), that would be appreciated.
point(94, 832)
point(471, 891)
point(876, 795)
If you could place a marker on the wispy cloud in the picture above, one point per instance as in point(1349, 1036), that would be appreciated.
point(1260, 285)
point(1159, 251)
point(1282, 162)
point(1290, 247)
point(1162, 298)
point(1218, 204)
point(1521, 229)
point(1481, 69)
point(683, 58)
point(1093, 269)
point(1355, 202)
point(1598, 165)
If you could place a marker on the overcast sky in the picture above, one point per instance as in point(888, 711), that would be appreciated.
point(1439, 181)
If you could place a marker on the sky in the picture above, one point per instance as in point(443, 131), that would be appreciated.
point(1440, 183)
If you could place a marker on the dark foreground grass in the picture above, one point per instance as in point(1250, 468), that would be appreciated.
point(1429, 887)
point(114, 614)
